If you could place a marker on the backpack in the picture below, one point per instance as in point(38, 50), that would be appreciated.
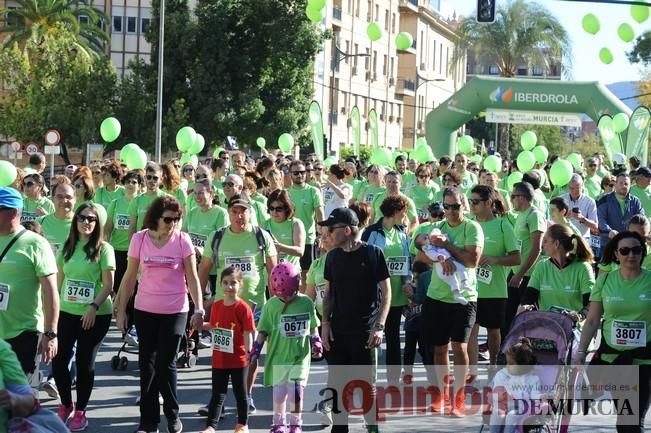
point(219, 234)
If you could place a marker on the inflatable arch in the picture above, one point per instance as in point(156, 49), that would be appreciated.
point(588, 97)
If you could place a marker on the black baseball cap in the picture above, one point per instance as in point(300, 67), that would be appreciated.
point(239, 200)
point(643, 171)
point(341, 215)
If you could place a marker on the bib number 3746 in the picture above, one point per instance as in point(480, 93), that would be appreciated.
point(80, 292)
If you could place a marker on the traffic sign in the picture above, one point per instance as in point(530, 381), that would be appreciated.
point(52, 137)
point(31, 148)
point(16, 146)
point(52, 150)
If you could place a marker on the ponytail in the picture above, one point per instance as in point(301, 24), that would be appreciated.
point(582, 251)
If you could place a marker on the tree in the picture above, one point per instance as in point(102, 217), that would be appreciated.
point(254, 69)
point(523, 34)
point(641, 52)
point(50, 85)
point(548, 136)
point(47, 16)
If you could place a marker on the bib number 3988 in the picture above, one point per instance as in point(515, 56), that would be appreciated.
point(79, 291)
point(294, 325)
point(222, 340)
point(246, 265)
point(629, 333)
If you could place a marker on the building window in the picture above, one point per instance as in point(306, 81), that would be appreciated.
point(537, 71)
point(367, 59)
point(347, 58)
point(392, 66)
point(447, 62)
point(493, 70)
point(434, 57)
point(441, 58)
point(393, 23)
point(385, 65)
point(131, 25)
point(117, 24)
point(144, 25)
point(377, 13)
point(13, 19)
point(83, 19)
point(355, 56)
point(523, 71)
point(359, 4)
point(386, 20)
point(369, 11)
point(374, 62)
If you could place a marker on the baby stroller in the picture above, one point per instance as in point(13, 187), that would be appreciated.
point(188, 349)
point(552, 337)
point(129, 338)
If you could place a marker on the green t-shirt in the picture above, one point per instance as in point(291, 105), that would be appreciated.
point(140, 205)
point(11, 375)
point(29, 208)
point(562, 288)
point(260, 199)
point(368, 192)
point(592, 186)
point(499, 240)
point(393, 253)
point(82, 280)
point(105, 197)
point(118, 214)
point(645, 197)
point(56, 231)
point(423, 196)
point(284, 233)
point(306, 201)
point(199, 224)
point(468, 180)
point(625, 301)
point(21, 308)
point(178, 194)
point(412, 213)
point(408, 181)
point(468, 233)
point(260, 211)
point(540, 201)
point(528, 222)
point(288, 341)
point(356, 184)
point(101, 210)
point(242, 250)
point(622, 204)
point(315, 276)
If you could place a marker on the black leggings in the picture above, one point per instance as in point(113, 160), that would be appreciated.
point(392, 335)
point(512, 303)
point(220, 378)
point(25, 346)
point(645, 396)
point(413, 338)
point(88, 341)
point(120, 268)
point(159, 336)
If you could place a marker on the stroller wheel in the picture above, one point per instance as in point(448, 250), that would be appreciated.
point(192, 360)
point(124, 362)
point(115, 362)
point(191, 344)
point(181, 361)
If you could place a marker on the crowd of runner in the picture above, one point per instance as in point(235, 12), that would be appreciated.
point(311, 260)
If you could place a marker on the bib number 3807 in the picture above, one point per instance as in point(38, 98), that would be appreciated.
point(629, 333)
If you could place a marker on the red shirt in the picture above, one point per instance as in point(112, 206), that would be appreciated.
point(239, 318)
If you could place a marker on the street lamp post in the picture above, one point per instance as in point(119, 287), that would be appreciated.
point(159, 88)
point(338, 56)
point(419, 82)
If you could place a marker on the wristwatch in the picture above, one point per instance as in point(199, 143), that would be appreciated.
point(378, 327)
point(200, 311)
point(50, 334)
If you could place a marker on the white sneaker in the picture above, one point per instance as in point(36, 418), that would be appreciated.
point(50, 388)
point(131, 337)
point(160, 399)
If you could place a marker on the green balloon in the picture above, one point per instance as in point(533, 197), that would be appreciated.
point(591, 24)
point(286, 142)
point(136, 159)
point(381, 156)
point(561, 172)
point(465, 144)
point(126, 150)
point(197, 146)
point(110, 129)
point(314, 15)
point(421, 141)
point(185, 138)
point(493, 163)
point(640, 13)
point(316, 4)
point(513, 178)
point(576, 160)
point(423, 153)
point(606, 128)
point(620, 122)
point(606, 56)
point(374, 31)
point(215, 153)
point(329, 161)
point(404, 41)
point(187, 158)
point(476, 158)
point(528, 140)
point(541, 153)
point(261, 142)
point(8, 173)
point(526, 160)
point(625, 32)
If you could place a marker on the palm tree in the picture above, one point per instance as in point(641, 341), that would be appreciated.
point(44, 16)
point(523, 34)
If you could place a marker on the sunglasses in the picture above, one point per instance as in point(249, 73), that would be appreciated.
point(317, 169)
point(298, 172)
point(455, 206)
point(29, 184)
point(188, 170)
point(86, 219)
point(170, 220)
point(276, 209)
point(332, 229)
point(515, 196)
point(229, 184)
point(201, 176)
point(374, 171)
point(476, 201)
point(97, 173)
point(625, 251)
point(152, 177)
point(592, 165)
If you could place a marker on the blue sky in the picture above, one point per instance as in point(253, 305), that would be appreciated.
point(587, 66)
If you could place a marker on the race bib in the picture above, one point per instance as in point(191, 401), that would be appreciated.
point(4, 296)
point(294, 325)
point(328, 195)
point(628, 333)
point(79, 291)
point(484, 274)
point(122, 221)
point(282, 258)
point(595, 242)
point(198, 240)
point(28, 216)
point(222, 340)
point(557, 309)
point(245, 264)
point(398, 265)
point(422, 214)
point(320, 294)
point(369, 198)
